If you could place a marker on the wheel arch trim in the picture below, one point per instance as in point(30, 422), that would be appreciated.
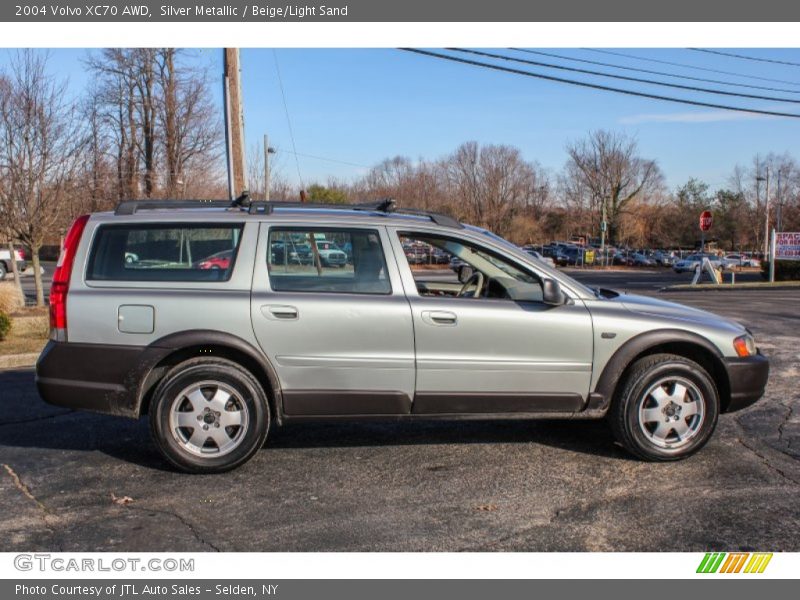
point(204, 342)
point(601, 396)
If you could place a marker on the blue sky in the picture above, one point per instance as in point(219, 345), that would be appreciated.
point(360, 106)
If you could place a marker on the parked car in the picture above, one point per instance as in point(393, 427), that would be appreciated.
point(330, 255)
point(220, 260)
point(215, 362)
point(417, 255)
point(5, 261)
point(538, 256)
point(663, 258)
point(690, 262)
point(439, 257)
point(740, 260)
point(638, 259)
point(622, 258)
point(284, 252)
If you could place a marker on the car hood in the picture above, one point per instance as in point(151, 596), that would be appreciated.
point(662, 308)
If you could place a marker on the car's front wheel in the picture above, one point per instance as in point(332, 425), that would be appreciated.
point(665, 409)
point(209, 415)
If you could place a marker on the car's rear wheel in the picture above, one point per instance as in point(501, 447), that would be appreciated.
point(209, 415)
point(2, 271)
point(666, 408)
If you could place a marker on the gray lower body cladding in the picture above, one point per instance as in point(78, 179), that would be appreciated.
point(111, 379)
point(96, 377)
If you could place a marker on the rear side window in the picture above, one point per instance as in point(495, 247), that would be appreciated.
point(344, 261)
point(164, 252)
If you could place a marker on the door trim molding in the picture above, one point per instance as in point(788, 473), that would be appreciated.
point(345, 402)
point(436, 403)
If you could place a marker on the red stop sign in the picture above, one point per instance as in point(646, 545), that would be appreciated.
point(705, 220)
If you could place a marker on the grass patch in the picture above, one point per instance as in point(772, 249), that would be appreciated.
point(30, 329)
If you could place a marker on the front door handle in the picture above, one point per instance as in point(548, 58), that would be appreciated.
point(280, 312)
point(439, 317)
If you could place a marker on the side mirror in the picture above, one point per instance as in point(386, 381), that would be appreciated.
point(552, 293)
point(465, 273)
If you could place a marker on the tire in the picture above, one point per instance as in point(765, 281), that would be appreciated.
point(3, 271)
point(190, 394)
point(671, 424)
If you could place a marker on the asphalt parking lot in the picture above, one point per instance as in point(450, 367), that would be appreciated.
point(81, 482)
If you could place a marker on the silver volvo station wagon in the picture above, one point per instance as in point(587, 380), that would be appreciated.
point(218, 320)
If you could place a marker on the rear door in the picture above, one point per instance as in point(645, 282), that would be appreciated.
point(340, 336)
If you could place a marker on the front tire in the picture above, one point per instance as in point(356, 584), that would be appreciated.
point(209, 415)
point(665, 409)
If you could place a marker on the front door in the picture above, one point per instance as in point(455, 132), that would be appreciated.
point(329, 311)
point(489, 343)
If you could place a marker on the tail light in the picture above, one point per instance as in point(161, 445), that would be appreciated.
point(61, 277)
point(20, 254)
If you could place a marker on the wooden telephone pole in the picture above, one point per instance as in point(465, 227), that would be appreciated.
point(234, 124)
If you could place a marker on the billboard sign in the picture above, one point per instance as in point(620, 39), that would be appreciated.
point(787, 246)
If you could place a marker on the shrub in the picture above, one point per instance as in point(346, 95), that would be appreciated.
point(785, 270)
point(5, 325)
point(11, 298)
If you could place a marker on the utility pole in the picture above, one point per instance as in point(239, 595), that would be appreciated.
point(766, 221)
point(779, 208)
point(603, 226)
point(267, 152)
point(234, 123)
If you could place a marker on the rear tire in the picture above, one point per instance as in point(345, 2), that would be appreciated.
point(209, 415)
point(665, 409)
point(2, 271)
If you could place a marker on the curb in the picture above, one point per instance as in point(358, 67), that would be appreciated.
point(728, 288)
point(15, 361)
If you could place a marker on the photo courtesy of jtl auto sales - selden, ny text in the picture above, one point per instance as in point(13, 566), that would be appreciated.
point(402, 300)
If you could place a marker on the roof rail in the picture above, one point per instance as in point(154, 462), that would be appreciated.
point(131, 207)
point(262, 207)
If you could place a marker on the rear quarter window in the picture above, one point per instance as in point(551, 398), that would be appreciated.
point(164, 252)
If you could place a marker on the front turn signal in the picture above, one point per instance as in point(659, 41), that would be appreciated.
point(745, 345)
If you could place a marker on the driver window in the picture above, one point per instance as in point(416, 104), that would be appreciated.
point(449, 267)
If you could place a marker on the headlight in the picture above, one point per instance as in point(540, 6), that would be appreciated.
point(745, 345)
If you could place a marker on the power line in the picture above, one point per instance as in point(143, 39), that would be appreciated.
point(661, 73)
point(685, 66)
point(288, 120)
point(745, 57)
point(625, 77)
point(332, 160)
point(597, 86)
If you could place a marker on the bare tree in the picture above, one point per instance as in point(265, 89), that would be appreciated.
point(160, 115)
point(614, 174)
point(39, 146)
point(493, 183)
point(189, 122)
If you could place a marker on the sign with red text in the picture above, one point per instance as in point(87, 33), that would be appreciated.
point(787, 246)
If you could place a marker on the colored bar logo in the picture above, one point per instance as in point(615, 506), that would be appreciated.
point(734, 562)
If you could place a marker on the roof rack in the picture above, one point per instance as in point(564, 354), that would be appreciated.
point(131, 207)
point(387, 205)
point(262, 207)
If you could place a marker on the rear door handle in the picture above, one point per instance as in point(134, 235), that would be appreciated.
point(280, 312)
point(439, 317)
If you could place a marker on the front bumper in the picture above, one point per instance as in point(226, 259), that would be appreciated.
point(748, 378)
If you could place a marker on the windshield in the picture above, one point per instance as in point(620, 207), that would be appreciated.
point(520, 253)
